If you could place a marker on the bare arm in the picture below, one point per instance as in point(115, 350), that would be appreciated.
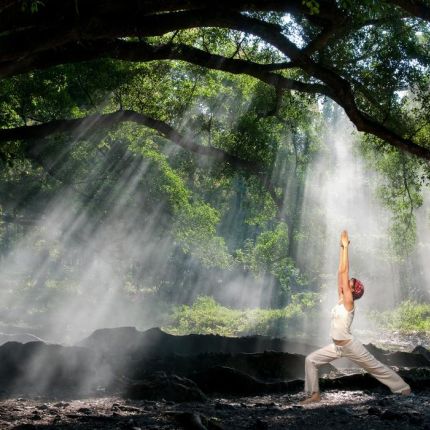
point(339, 275)
point(343, 273)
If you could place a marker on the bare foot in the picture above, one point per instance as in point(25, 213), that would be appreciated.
point(315, 398)
point(406, 392)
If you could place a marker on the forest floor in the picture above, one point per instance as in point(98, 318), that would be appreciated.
point(355, 410)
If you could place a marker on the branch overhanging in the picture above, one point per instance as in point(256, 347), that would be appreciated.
point(127, 22)
point(101, 121)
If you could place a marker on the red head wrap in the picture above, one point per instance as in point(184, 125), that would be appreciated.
point(358, 289)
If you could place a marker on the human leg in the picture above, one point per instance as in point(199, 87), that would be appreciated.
point(357, 353)
point(312, 362)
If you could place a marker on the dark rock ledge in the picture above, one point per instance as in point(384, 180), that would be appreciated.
point(123, 378)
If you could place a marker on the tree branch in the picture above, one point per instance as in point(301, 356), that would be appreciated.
point(93, 122)
point(129, 22)
point(13, 19)
point(415, 8)
point(142, 52)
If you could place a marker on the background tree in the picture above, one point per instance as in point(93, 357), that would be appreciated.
point(172, 140)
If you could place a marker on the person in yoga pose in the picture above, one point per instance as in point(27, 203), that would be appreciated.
point(343, 343)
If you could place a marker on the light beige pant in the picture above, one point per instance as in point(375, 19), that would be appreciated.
point(357, 353)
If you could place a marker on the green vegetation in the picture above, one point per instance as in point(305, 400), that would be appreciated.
point(206, 316)
point(146, 169)
point(409, 316)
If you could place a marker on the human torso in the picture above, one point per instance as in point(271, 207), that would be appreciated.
point(341, 320)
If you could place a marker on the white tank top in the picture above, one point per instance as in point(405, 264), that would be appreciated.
point(341, 321)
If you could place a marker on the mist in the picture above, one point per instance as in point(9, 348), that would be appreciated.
point(341, 193)
point(69, 273)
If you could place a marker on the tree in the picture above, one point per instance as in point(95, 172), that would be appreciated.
point(73, 68)
point(359, 54)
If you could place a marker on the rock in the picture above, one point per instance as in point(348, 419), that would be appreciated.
point(61, 404)
point(384, 402)
point(189, 420)
point(220, 379)
point(214, 424)
point(138, 354)
point(18, 337)
point(399, 358)
point(25, 427)
point(418, 379)
point(269, 364)
point(43, 369)
point(219, 405)
point(125, 408)
point(419, 349)
point(397, 414)
point(414, 418)
point(344, 411)
point(260, 425)
point(161, 386)
point(374, 411)
point(392, 415)
point(156, 342)
point(214, 363)
point(351, 382)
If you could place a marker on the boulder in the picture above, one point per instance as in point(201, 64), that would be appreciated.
point(399, 358)
point(226, 380)
point(162, 386)
point(18, 337)
point(138, 354)
point(418, 379)
point(154, 341)
point(419, 349)
point(39, 368)
point(269, 365)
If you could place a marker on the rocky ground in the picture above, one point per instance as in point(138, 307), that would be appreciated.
point(339, 410)
point(394, 340)
point(125, 379)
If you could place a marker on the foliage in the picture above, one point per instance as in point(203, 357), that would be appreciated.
point(128, 170)
point(195, 229)
point(269, 254)
point(206, 316)
point(400, 190)
point(215, 217)
point(409, 316)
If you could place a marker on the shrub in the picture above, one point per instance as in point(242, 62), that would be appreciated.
point(206, 316)
point(408, 317)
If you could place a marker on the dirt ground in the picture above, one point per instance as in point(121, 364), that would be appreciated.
point(338, 410)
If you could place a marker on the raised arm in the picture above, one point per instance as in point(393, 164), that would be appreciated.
point(344, 288)
point(339, 274)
